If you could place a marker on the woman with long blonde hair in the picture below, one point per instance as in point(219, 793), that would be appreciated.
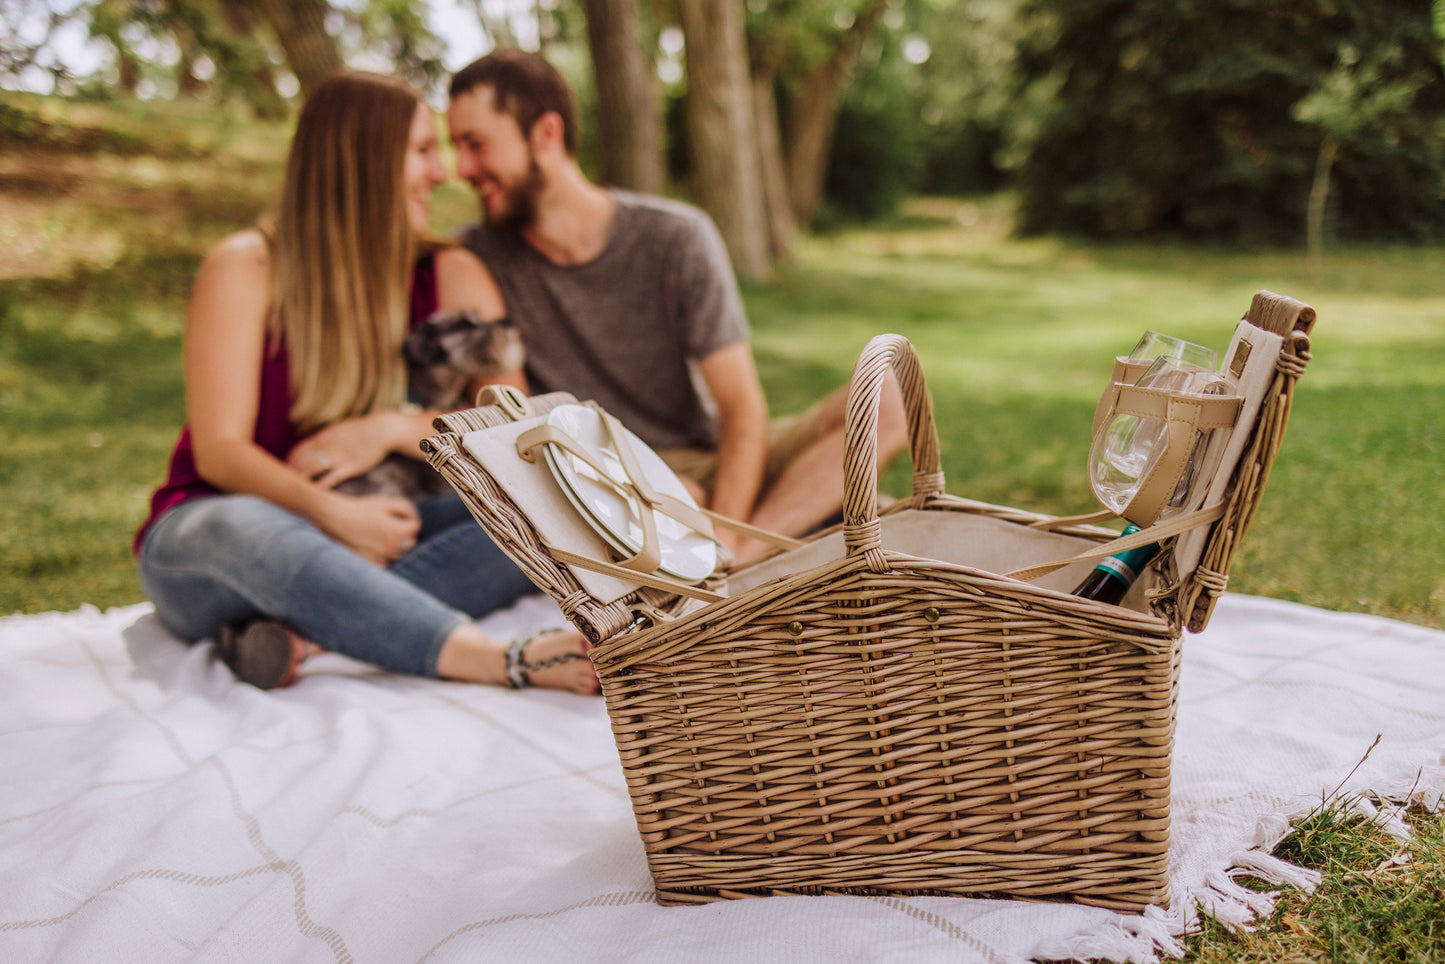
point(295, 382)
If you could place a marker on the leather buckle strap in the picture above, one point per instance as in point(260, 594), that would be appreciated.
point(649, 555)
point(1144, 537)
point(636, 486)
point(1184, 415)
point(1127, 372)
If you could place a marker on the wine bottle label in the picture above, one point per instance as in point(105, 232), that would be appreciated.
point(1119, 569)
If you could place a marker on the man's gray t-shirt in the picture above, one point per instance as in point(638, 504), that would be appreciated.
point(627, 328)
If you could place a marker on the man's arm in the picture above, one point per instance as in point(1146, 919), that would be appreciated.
point(742, 448)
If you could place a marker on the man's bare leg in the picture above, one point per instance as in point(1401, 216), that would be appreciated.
point(810, 489)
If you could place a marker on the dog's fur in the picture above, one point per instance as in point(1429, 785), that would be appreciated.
point(444, 355)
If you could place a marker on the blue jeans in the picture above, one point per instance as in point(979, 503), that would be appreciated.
point(232, 558)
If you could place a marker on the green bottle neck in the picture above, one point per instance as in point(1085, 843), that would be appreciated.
point(1126, 566)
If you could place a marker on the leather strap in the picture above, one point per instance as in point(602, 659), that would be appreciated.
point(1184, 414)
point(649, 500)
point(1061, 522)
point(1213, 411)
point(1127, 371)
point(1144, 537)
point(662, 502)
point(507, 398)
point(647, 557)
point(649, 579)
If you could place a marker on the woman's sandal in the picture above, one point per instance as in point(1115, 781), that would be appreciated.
point(262, 652)
point(519, 670)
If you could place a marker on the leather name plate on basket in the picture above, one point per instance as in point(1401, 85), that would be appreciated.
point(531, 486)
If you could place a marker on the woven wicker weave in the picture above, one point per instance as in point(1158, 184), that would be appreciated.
point(880, 712)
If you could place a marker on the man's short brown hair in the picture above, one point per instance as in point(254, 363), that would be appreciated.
point(525, 86)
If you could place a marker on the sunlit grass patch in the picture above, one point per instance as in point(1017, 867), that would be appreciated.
point(1016, 337)
point(1380, 900)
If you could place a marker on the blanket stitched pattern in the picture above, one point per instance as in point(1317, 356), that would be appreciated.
point(152, 809)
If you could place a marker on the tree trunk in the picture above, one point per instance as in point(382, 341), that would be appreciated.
point(256, 79)
point(300, 27)
point(187, 83)
point(497, 28)
point(813, 113)
point(1319, 196)
point(629, 101)
point(777, 207)
point(129, 68)
point(721, 132)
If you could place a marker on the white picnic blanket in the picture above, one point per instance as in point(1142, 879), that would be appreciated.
point(152, 809)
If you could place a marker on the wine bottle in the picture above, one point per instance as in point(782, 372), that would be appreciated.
point(1113, 576)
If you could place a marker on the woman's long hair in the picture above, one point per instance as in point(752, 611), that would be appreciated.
point(344, 249)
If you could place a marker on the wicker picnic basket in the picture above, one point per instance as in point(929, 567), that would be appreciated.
point(880, 710)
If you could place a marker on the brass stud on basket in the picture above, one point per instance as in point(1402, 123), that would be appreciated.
point(795, 628)
point(931, 614)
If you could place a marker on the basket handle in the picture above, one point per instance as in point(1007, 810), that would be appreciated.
point(862, 532)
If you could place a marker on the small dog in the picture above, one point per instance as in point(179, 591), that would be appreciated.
point(444, 356)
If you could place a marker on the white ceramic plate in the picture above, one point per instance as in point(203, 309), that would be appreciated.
point(549, 458)
point(687, 554)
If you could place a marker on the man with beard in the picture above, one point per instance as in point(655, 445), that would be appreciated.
point(630, 301)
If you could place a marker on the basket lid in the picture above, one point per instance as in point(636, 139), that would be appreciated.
point(519, 500)
point(1267, 355)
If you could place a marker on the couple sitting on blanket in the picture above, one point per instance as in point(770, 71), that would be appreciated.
point(299, 362)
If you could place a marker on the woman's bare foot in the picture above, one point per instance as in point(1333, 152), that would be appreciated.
point(555, 659)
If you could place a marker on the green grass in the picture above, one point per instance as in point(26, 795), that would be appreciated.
point(1379, 902)
point(99, 242)
point(1015, 338)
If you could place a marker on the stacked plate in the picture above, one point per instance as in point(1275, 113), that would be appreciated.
point(605, 504)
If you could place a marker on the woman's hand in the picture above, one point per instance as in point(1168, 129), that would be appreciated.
point(379, 528)
point(348, 448)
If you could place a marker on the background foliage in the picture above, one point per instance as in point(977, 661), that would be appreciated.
point(1205, 118)
point(1215, 120)
point(103, 238)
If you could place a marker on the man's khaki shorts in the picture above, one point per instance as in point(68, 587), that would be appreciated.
point(787, 436)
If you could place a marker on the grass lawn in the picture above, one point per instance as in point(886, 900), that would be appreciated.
point(1015, 338)
point(105, 212)
point(103, 232)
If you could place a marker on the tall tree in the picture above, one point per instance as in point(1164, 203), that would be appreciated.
point(812, 103)
point(629, 98)
point(1361, 96)
point(108, 19)
point(1439, 18)
point(719, 114)
point(495, 26)
point(1213, 119)
point(241, 61)
point(300, 28)
point(397, 31)
point(766, 56)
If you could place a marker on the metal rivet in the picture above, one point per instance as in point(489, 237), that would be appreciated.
point(931, 614)
point(795, 628)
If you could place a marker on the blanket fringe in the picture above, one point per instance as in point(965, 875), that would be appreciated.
point(1135, 940)
point(1233, 905)
point(1390, 817)
point(1266, 866)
